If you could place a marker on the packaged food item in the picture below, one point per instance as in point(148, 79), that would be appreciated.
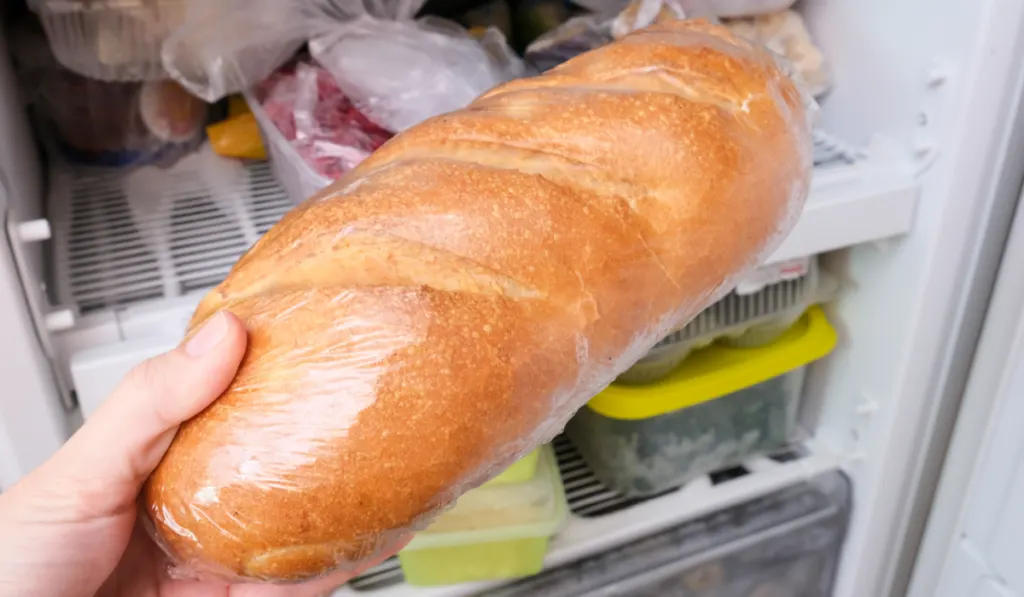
point(786, 544)
point(228, 46)
point(170, 113)
point(111, 40)
point(120, 125)
point(786, 34)
point(237, 137)
point(745, 318)
point(466, 288)
point(493, 532)
point(396, 69)
point(522, 470)
point(402, 72)
point(312, 130)
point(721, 406)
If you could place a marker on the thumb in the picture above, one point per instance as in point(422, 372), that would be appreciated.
point(124, 440)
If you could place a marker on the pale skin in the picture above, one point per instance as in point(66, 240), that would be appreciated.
point(70, 528)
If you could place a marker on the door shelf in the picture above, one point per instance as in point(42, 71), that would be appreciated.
point(602, 519)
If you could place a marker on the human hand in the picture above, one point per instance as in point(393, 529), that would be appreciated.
point(70, 527)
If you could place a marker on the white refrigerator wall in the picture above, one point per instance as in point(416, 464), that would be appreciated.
point(943, 80)
point(975, 533)
point(33, 422)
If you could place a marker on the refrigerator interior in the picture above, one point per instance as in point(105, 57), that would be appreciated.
point(907, 207)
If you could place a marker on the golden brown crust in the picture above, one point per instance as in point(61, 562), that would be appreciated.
point(428, 319)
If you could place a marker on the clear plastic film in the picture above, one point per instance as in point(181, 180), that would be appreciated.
point(786, 34)
point(584, 33)
point(396, 69)
point(700, 8)
point(101, 123)
point(399, 72)
point(317, 119)
point(449, 304)
point(227, 46)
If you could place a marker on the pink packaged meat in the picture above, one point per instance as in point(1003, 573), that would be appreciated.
point(317, 119)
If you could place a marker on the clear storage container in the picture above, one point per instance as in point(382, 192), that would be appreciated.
point(758, 312)
point(299, 180)
point(523, 470)
point(722, 406)
point(496, 531)
point(784, 545)
point(110, 40)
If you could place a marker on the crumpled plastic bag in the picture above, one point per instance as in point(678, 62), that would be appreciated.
point(786, 34)
point(700, 8)
point(584, 33)
point(318, 120)
point(401, 72)
point(396, 69)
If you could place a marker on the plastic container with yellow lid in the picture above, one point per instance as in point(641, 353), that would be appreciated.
point(723, 405)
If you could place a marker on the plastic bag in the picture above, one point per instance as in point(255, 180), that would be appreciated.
point(447, 306)
point(700, 8)
point(401, 72)
point(786, 34)
point(226, 46)
point(584, 33)
point(318, 120)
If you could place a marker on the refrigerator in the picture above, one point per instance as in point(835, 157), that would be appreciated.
point(919, 167)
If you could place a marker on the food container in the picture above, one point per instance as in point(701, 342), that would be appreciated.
point(523, 470)
point(313, 132)
point(120, 125)
point(494, 532)
point(299, 180)
point(756, 314)
point(786, 544)
point(722, 406)
point(110, 40)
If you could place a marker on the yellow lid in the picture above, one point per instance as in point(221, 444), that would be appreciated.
point(718, 370)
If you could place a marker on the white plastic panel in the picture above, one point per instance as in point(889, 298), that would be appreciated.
point(975, 536)
point(33, 423)
point(910, 309)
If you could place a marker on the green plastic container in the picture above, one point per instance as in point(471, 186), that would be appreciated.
point(523, 470)
point(507, 539)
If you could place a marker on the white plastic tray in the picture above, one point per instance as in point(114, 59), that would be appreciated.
point(299, 180)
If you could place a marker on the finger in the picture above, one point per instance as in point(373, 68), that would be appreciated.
point(125, 439)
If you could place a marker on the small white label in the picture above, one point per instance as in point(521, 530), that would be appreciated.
point(773, 274)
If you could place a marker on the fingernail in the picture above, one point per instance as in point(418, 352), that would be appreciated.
point(208, 336)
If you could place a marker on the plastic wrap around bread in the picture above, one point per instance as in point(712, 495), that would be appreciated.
point(447, 305)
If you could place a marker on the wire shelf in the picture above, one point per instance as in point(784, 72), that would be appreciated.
point(155, 234)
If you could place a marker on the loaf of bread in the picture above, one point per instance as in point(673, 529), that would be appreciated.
point(448, 305)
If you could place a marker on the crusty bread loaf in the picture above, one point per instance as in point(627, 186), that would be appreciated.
point(446, 307)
